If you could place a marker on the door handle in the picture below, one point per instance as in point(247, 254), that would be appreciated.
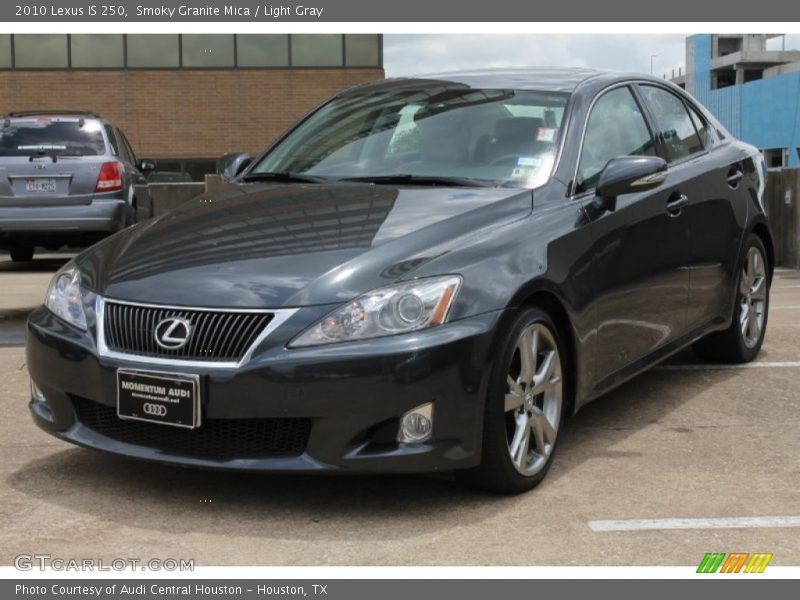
point(675, 203)
point(734, 177)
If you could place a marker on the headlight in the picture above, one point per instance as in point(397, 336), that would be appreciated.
point(64, 296)
point(399, 308)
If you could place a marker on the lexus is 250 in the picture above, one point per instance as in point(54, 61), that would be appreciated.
point(423, 274)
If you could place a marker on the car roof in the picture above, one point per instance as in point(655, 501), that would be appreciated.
point(17, 114)
point(548, 79)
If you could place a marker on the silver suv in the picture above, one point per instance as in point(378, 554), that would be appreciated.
point(67, 178)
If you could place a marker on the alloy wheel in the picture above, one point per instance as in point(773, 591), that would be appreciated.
point(752, 297)
point(533, 399)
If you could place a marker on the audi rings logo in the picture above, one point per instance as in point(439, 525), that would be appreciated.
point(172, 333)
point(154, 410)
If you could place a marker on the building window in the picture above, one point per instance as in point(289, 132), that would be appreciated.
point(776, 157)
point(723, 78)
point(753, 75)
point(209, 51)
point(316, 50)
point(729, 45)
point(362, 50)
point(157, 51)
point(5, 51)
point(254, 50)
point(40, 51)
point(198, 51)
point(97, 51)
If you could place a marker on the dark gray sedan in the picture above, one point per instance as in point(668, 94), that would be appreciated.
point(423, 274)
point(67, 178)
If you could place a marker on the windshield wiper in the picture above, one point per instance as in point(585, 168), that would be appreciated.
point(284, 176)
point(421, 180)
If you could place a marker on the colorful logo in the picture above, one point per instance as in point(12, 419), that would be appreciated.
point(735, 562)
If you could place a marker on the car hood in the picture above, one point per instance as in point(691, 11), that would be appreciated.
point(294, 244)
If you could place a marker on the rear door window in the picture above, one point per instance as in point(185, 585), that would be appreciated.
point(674, 123)
point(48, 136)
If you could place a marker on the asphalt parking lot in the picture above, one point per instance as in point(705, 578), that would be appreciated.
point(706, 445)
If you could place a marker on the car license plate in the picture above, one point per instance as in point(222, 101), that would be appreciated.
point(41, 185)
point(169, 399)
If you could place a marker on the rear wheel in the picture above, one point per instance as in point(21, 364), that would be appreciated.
point(525, 408)
point(21, 253)
point(742, 341)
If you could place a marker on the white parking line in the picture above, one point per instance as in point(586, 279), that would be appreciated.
point(787, 364)
point(707, 523)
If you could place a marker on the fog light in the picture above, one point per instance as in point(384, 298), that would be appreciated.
point(416, 425)
point(36, 393)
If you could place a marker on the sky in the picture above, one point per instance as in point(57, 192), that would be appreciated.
point(430, 53)
point(417, 54)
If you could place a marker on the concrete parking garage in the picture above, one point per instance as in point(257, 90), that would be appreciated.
point(686, 459)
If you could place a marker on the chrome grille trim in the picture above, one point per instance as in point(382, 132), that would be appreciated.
point(279, 316)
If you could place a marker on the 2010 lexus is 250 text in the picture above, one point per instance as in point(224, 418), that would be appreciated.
point(423, 274)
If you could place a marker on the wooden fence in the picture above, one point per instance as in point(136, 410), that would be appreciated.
point(783, 204)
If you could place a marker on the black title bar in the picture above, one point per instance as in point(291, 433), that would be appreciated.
point(401, 11)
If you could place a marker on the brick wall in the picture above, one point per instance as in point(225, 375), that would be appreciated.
point(184, 113)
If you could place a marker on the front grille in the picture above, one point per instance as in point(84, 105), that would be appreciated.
point(215, 335)
point(219, 439)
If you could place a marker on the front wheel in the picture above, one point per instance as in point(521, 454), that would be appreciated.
point(525, 407)
point(742, 341)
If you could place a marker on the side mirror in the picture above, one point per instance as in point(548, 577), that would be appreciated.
point(229, 166)
point(147, 165)
point(628, 175)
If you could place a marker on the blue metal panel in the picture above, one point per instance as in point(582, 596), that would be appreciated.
point(702, 63)
point(765, 113)
point(770, 109)
point(726, 105)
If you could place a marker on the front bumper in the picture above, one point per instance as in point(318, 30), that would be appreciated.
point(351, 396)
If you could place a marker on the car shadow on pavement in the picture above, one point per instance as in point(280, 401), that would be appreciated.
point(45, 263)
point(644, 401)
point(248, 504)
point(150, 496)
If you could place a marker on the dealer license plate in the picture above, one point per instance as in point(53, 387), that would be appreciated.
point(165, 398)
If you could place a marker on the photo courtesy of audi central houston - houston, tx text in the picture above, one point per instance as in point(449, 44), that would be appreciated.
point(366, 299)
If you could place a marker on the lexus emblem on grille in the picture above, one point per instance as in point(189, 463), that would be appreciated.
point(173, 333)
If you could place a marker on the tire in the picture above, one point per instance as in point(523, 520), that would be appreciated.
point(498, 472)
point(21, 253)
point(742, 341)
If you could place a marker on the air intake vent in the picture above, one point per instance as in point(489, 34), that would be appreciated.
point(220, 439)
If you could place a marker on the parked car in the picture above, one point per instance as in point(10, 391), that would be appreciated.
point(70, 179)
point(424, 274)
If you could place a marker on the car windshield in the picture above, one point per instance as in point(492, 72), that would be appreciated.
point(489, 137)
point(51, 136)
